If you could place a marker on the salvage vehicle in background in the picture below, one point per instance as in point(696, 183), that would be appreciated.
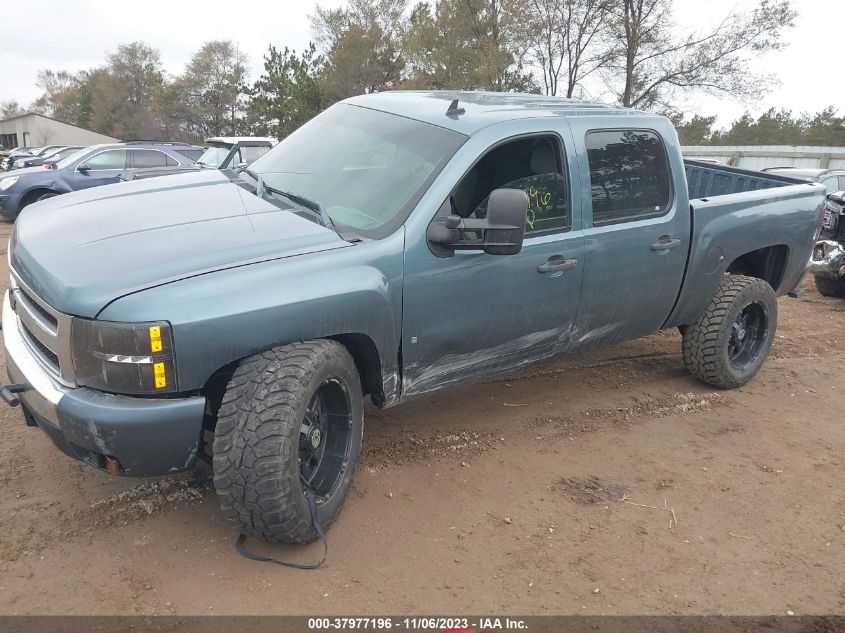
point(233, 152)
point(222, 153)
point(396, 244)
point(53, 157)
point(11, 157)
point(832, 179)
point(90, 167)
point(828, 261)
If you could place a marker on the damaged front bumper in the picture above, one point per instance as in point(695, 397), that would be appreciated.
point(828, 260)
point(132, 436)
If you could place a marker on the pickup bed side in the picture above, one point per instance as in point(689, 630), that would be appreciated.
point(760, 232)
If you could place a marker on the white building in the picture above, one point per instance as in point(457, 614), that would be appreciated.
point(36, 130)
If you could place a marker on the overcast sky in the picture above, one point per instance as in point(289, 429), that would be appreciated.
point(36, 34)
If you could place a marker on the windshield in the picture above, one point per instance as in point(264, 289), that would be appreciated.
point(366, 168)
point(65, 162)
point(214, 155)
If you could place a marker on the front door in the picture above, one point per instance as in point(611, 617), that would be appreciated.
point(100, 169)
point(637, 236)
point(472, 314)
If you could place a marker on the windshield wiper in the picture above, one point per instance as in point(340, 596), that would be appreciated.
point(308, 203)
point(302, 201)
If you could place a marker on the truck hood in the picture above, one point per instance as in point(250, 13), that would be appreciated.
point(82, 250)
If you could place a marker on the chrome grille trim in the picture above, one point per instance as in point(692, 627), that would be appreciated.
point(42, 325)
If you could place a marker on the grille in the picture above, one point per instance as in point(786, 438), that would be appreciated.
point(45, 331)
point(47, 355)
point(35, 307)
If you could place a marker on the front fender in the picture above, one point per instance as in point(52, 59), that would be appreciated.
point(224, 316)
point(56, 185)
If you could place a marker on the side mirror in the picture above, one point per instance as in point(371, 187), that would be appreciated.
point(503, 230)
point(243, 164)
point(506, 213)
point(83, 167)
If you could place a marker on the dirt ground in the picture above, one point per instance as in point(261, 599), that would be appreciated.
point(604, 484)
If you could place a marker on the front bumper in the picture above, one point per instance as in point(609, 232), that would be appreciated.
point(828, 260)
point(146, 436)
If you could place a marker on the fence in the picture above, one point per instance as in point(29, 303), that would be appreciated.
point(761, 156)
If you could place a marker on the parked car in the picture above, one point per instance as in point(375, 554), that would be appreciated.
point(54, 156)
point(222, 153)
point(828, 261)
point(832, 179)
point(11, 157)
point(90, 167)
point(396, 244)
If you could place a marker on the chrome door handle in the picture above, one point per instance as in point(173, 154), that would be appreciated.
point(556, 264)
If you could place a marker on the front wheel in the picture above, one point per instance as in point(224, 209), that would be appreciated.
point(728, 344)
point(291, 417)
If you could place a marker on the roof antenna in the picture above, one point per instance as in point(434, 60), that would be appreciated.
point(454, 109)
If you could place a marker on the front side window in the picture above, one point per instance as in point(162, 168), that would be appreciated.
point(367, 168)
point(831, 184)
point(250, 154)
point(629, 175)
point(530, 164)
point(110, 159)
point(214, 155)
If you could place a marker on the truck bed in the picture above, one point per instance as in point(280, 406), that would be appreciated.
point(737, 212)
point(706, 180)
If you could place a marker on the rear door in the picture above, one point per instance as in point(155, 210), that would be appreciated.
point(101, 168)
point(636, 231)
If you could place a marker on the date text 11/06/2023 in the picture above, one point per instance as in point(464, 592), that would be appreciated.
point(439, 624)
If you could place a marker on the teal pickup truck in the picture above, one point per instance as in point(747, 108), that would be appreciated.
point(397, 244)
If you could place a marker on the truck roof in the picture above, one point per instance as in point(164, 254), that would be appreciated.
point(481, 109)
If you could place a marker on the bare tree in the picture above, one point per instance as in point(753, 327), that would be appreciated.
point(567, 39)
point(655, 62)
point(9, 109)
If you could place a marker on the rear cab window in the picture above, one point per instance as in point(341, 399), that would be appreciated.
point(629, 175)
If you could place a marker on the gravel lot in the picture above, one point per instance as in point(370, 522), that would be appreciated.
point(604, 484)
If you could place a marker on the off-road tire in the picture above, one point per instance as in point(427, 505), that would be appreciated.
point(256, 463)
point(830, 287)
point(706, 342)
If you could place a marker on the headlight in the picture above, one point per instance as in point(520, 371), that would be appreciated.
point(5, 183)
point(130, 358)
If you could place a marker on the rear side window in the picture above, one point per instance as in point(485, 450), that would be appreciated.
point(193, 154)
point(629, 175)
point(151, 158)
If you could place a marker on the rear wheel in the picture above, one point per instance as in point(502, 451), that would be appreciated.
point(292, 417)
point(830, 287)
point(727, 346)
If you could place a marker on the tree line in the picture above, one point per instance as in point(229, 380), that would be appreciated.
point(632, 49)
point(773, 127)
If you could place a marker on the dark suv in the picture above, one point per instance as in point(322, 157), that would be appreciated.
point(90, 167)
